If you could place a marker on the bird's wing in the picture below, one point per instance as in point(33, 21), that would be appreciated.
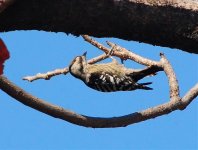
point(106, 82)
point(109, 68)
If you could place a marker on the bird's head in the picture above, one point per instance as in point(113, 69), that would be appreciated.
point(78, 66)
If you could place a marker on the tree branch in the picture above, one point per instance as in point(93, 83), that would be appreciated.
point(169, 23)
point(94, 122)
point(189, 97)
point(172, 80)
point(121, 52)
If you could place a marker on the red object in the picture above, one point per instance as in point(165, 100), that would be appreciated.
point(4, 55)
point(2, 2)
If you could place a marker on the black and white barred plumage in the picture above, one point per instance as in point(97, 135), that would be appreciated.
point(108, 77)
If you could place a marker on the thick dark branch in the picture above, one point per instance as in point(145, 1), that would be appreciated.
point(4, 4)
point(158, 22)
point(94, 122)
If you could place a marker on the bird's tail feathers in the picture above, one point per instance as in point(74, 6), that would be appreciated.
point(143, 86)
point(149, 71)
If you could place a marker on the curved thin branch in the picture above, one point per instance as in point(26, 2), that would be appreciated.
point(172, 80)
point(94, 122)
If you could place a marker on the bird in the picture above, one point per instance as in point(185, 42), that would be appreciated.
point(109, 77)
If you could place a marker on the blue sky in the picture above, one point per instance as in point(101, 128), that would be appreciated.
point(24, 128)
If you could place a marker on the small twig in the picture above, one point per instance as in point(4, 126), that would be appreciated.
point(56, 72)
point(47, 75)
point(97, 59)
point(96, 44)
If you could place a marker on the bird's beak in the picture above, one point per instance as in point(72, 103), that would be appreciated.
point(85, 53)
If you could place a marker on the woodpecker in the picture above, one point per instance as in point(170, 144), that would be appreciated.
point(109, 77)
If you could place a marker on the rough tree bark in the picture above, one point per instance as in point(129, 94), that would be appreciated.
point(5, 3)
point(170, 23)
